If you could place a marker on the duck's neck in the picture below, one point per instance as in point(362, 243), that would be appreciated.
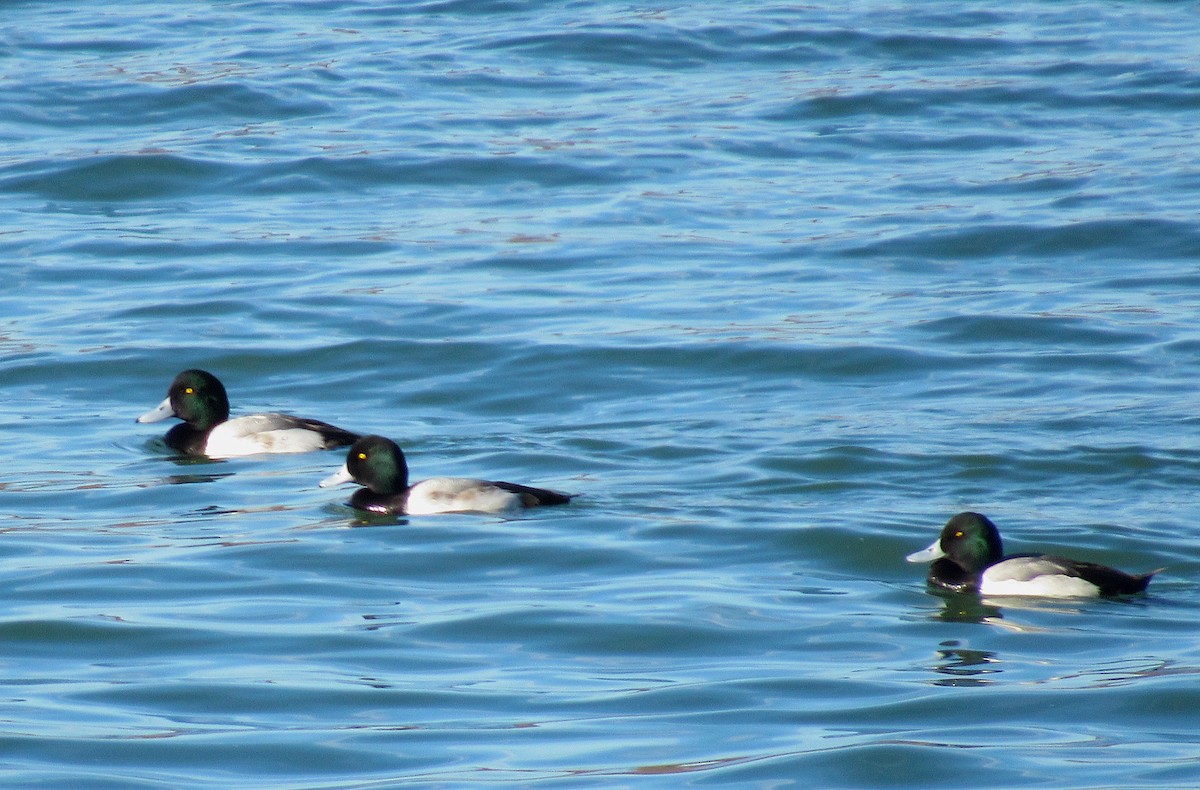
point(947, 573)
point(187, 439)
point(366, 499)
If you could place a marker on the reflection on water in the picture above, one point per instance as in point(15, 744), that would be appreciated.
point(964, 665)
point(766, 376)
point(969, 608)
point(965, 608)
point(175, 480)
point(1123, 673)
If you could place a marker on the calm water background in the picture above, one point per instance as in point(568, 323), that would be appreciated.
point(777, 289)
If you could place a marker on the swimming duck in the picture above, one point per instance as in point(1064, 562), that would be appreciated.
point(199, 399)
point(968, 557)
point(378, 464)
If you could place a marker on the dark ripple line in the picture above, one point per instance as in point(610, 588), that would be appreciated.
point(627, 48)
point(484, 170)
point(131, 177)
point(920, 102)
point(246, 249)
point(1136, 238)
point(1053, 330)
point(115, 177)
point(664, 46)
point(56, 105)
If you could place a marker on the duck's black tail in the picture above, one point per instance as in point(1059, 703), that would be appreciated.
point(1115, 582)
point(534, 497)
point(332, 435)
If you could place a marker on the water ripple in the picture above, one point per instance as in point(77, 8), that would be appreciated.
point(775, 289)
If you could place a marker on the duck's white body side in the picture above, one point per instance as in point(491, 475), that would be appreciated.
point(458, 495)
point(261, 433)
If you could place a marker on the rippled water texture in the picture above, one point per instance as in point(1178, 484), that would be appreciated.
point(775, 289)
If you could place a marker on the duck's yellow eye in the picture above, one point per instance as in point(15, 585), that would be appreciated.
point(362, 456)
point(958, 534)
point(189, 391)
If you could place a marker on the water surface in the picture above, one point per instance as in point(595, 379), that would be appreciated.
point(777, 290)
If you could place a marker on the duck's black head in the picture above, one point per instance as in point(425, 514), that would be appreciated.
point(972, 541)
point(378, 463)
point(198, 398)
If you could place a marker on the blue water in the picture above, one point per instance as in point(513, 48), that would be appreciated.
point(776, 289)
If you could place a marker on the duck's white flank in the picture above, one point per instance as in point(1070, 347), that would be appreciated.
point(261, 433)
point(458, 495)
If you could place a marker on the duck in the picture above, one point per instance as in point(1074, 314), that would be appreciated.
point(198, 398)
point(378, 464)
point(968, 557)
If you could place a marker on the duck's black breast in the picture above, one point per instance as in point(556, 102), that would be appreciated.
point(186, 439)
point(949, 575)
point(366, 499)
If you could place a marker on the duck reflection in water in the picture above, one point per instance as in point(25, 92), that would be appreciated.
point(966, 608)
point(965, 667)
